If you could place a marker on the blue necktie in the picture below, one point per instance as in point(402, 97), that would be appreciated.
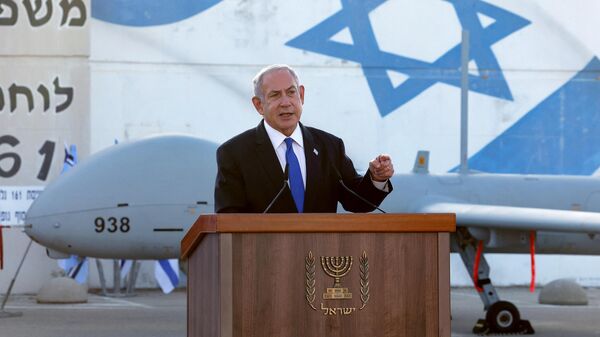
point(296, 184)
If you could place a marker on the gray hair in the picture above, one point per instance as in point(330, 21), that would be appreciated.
point(258, 79)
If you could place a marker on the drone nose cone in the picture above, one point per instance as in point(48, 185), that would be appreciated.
point(41, 223)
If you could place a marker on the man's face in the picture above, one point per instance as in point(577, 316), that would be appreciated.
point(281, 104)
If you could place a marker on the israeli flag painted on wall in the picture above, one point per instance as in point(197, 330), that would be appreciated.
point(395, 67)
point(166, 273)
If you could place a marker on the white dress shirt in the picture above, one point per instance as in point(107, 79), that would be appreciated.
point(278, 140)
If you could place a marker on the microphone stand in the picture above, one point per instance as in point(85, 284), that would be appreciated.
point(286, 183)
point(341, 181)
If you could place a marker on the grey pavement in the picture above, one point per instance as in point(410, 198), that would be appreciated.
point(149, 314)
point(547, 320)
point(152, 313)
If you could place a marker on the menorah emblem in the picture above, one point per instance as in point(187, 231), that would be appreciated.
point(337, 267)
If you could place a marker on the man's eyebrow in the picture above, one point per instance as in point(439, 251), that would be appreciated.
point(293, 86)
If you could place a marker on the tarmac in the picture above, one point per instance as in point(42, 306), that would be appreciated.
point(547, 320)
point(148, 314)
point(152, 313)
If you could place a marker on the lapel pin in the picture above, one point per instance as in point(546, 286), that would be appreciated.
point(315, 152)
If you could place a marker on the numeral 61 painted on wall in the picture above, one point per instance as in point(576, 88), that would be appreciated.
point(46, 151)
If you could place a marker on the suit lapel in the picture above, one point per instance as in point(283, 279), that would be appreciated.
point(311, 153)
point(267, 157)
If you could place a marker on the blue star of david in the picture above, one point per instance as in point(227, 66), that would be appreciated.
point(375, 63)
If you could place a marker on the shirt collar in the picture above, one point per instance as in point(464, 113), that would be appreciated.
point(277, 137)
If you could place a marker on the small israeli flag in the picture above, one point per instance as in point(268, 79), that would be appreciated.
point(125, 266)
point(68, 264)
point(75, 268)
point(70, 158)
point(166, 273)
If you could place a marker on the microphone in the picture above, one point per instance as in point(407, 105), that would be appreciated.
point(341, 181)
point(286, 183)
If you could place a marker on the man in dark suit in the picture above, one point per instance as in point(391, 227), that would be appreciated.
point(252, 165)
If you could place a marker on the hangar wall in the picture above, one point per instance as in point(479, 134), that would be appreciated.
point(381, 75)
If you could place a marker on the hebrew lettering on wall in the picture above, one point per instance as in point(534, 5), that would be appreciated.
point(63, 91)
point(38, 116)
point(19, 95)
point(39, 13)
point(15, 90)
point(69, 5)
point(33, 14)
point(8, 13)
point(45, 95)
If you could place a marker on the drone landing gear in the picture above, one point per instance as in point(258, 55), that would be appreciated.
point(502, 317)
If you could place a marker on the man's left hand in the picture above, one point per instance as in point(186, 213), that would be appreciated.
point(381, 168)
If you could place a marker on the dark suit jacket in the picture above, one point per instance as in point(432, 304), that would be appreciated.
point(249, 176)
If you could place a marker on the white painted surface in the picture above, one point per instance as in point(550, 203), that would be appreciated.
point(184, 77)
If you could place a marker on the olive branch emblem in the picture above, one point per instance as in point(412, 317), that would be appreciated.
point(364, 279)
point(310, 279)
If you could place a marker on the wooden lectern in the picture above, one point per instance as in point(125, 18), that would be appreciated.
point(317, 275)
